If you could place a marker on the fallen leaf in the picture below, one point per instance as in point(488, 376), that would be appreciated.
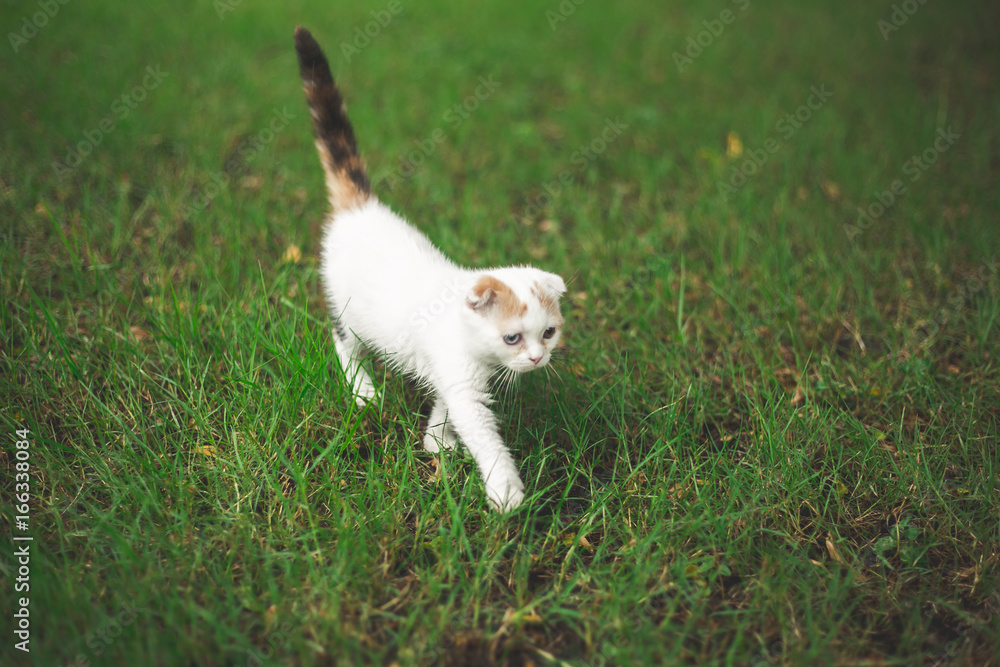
point(734, 145)
point(140, 334)
point(832, 550)
point(206, 450)
point(531, 617)
point(252, 182)
point(797, 398)
point(292, 255)
point(548, 226)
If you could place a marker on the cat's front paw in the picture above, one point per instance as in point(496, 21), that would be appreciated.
point(364, 390)
point(438, 438)
point(506, 495)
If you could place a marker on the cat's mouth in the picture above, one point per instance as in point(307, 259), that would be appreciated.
point(526, 367)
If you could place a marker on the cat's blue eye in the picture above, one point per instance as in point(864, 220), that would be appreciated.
point(511, 339)
point(549, 333)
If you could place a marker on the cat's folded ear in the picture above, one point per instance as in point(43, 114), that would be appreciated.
point(552, 282)
point(489, 292)
point(484, 293)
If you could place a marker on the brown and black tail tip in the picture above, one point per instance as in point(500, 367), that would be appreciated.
point(346, 177)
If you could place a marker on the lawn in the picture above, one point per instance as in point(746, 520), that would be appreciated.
point(770, 436)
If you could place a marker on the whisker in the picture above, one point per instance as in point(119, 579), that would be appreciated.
point(512, 383)
point(554, 371)
point(510, 378)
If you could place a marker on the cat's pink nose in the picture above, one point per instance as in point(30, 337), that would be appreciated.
point(535, 360)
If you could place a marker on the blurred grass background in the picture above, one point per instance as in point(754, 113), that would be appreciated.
point(769, 439)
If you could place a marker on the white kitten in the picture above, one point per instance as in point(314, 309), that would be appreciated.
point(393, 293)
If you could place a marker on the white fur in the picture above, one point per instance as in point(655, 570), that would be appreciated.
point(396, 294)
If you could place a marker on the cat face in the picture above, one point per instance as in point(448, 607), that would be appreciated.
point(517, 318)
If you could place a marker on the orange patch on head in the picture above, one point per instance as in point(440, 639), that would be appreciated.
point(548, 301)
point(489, 292)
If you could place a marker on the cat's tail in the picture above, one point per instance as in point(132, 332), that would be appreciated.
point(346, 177)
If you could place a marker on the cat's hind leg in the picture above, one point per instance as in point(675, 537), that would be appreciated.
point(350, 352)
point(440, 434)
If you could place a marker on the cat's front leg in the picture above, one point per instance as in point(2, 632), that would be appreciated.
point(440, 433)
point(476, 426)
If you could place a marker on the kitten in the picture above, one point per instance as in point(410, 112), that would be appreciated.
point(393, 293)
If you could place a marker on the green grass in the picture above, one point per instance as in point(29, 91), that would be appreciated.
point(764, 442)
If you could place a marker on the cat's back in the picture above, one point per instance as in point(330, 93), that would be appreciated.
point(376, 237)
point(371, 255)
